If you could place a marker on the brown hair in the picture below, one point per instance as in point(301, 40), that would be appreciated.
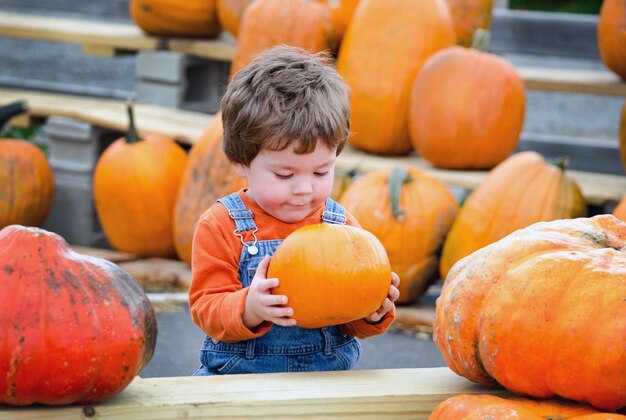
point(284, 96)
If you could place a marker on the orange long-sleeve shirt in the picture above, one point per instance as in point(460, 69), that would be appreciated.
point(216, 296)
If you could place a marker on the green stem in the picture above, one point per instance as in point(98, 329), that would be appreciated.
point(480, 40)
point(398, 177)
point(560, 162)
point(131, 134)
point(10, 110)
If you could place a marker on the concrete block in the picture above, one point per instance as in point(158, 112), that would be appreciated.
point(162, 66)
point(544, 33)
point(163, 94)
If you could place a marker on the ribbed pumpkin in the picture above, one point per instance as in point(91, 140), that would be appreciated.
point(192, 18)
point(208, 176)
point(136, 182)
point(382, 51)
point(612, 36)
point(620, 209)
point(26, 178)
point(522, 190)
point(230, 13)
point(541, 312)
point(410, 213)
point(491, 407)
point(622, 135)
point(268, 23)
point(74, 329)
point(466, 108)
point(468, 16)
point(331, 274)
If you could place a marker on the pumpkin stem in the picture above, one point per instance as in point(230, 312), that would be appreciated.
point(131, 134)
point(398, 177)
point(560, 162)
point(480, 40)
point(10, 110)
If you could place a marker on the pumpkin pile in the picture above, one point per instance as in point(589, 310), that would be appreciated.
point(73, 328)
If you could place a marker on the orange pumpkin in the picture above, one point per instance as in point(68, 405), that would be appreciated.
point(208, 176)
point(541, 312)
point(230, 13)
point(136, 181)
point(468, 16)
point(620, 209)
point(489, 406)
point(331, 274)
point(622, 135)
point(522, 190)
point(612, 36)
point(73, 328)
point(382, 51)
point(268, 23)
point(341, 12)
point(466, 109)
point(192, 18)
point(410, 213)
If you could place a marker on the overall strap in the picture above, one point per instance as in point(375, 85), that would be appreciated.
point(334, 213)
point(237, 211)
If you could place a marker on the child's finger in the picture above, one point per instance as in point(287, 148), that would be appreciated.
point(395, 279)
point(261, 270)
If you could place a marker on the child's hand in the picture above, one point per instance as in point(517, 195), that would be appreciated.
point(388, 303)
point(261, 305)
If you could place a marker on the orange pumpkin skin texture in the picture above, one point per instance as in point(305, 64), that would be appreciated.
point(135, 189)
point(268, 23)
point(230, 13)
point(412, 237)
point(542, 312)
point(341, 12)
point(208, 176)
point(612, 36)
point(620, 209)
point(192, 18)
point(26, 184)
point(331, 274)
point(74, 329)
point(469, 15)
point(622, 135)
point(487, 406)
point(522, 190)
point(466, 109)
point(380, 69)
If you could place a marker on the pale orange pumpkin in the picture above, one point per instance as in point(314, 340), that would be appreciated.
point(612, 36)
point(331, 274)
point(489, 406)
point(268, 23)
point(208, 176)
point(410, 213)
point(541, 312)
point(468, 16)
point(191, 18)
point(466, 109)
point(136, 181)
point(522, 190)
point(383, 49)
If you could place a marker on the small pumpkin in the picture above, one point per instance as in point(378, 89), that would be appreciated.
point(612, 36)
point(620, 209)
point(520, 191)
point(189, 18)
point(268, 23)
point(489, 406)
point(466, 108)
point(541, 312)
point(74, 329)
point(331, 274)
point(26, 178)
point(468, 16)
point(410, 213)
point(136, 181)
point(208, 176)
point(382, 51)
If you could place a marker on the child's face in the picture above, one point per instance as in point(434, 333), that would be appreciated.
point(289, 186)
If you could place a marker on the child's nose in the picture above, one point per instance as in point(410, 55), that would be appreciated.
point(303, 187)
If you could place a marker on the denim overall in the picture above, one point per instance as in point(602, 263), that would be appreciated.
point(281, 349)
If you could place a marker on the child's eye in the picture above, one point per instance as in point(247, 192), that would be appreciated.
point(283, 176)
point(321, 174)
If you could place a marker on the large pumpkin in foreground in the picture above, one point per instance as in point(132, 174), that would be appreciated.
point(542, 312)
point(491, 407)
point(331, 274)
point(73, 328)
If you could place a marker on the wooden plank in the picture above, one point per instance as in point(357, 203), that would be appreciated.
point(598, 189)
point(597, 82)
point(219, 49)
point(183, 126)
point(384, 393)
point(107, 254)
point(415, 318)
point(122, 37)
point(159, 274)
